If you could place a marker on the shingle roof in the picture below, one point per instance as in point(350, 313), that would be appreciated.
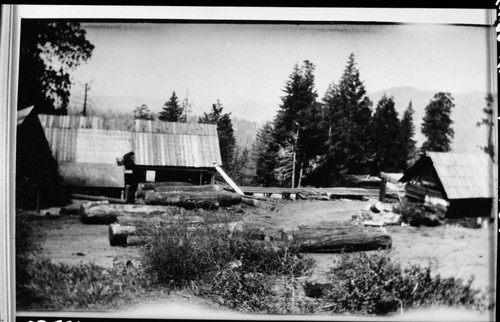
point(154, 143)
point(464, 175)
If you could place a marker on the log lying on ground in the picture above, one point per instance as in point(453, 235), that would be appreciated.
point(127, 234)
point(105, 213)
point(335, 239)
point(168, 187)
point(97, 198)
point(192, 200)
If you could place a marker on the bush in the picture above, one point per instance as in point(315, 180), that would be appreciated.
point(237, 290)
point(373, 284)
point(178, 253)
point(52, 286)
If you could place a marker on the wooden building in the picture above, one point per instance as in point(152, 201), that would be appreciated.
point(102, 154)
point(462, 182)
point(37, 180)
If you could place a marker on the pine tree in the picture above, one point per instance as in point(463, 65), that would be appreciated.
point(347, 115)
point(297, 121)
point(227, 141)
point(488, 121)
point(172, 111)
point(264, 154)
point(407, 135)
point(437, 123)
point(385, 138)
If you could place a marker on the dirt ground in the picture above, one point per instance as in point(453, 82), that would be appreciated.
point(450, 250)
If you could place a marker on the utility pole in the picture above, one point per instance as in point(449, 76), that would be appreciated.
point(85, 100)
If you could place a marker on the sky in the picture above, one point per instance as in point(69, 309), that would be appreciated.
point(248, 64)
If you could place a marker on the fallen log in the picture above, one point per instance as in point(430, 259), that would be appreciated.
point(343, 238)
point(118, 234)
point(167, 187)
point(97, 198)
point(104, 213)
point(129, 220)
point(250, 201)
point(192, 200)
point(127, 234)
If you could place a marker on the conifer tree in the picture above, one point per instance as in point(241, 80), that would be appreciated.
point(172, 111)
point(385, 138)
point(347, 115)
point(407, 135)
point(227, 141)
point(437, 123)
point(265, 155)
point(298, 119)
point(488, 121)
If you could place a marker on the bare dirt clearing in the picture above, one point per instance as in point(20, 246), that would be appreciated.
point(451, 251)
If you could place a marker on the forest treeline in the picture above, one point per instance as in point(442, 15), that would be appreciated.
point(312, 140)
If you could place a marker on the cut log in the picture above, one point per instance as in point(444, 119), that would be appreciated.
point(129, 219)
point(192, 200)
point(153, 185)
point(97, 198)
point(166, 187)
point(105, 213)
point(250, 201)
point(343, 238)
point(118, 234)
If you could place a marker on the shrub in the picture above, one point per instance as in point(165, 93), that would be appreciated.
point(177, 253)
point(373, 284)
point(237, 290)
point(415, 213)
point(57, 286)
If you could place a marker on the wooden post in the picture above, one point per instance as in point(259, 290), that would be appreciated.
point(383, 189)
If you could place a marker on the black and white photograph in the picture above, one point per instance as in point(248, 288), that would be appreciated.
point(199, 163)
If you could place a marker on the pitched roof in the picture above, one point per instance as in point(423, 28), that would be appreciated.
point(464, 175)
point(154, 143)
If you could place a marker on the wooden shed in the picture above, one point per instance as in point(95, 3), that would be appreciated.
point(463, 182)
point(90, 151)
point(37, 180)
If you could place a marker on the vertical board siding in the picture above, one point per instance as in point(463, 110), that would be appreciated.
point(154, 143)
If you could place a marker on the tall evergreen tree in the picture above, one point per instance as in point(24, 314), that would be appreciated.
point(172, 111)
point(297, 121)
point(437, 123)
point(488, 121)
point(227, 141)
point(407, 135)
point(265, 155)
point(347, 115)
point(385, 138)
